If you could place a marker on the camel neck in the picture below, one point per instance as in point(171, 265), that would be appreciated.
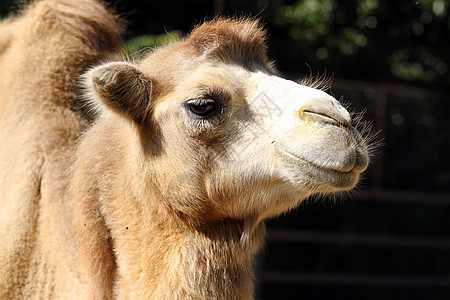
point(214, 261)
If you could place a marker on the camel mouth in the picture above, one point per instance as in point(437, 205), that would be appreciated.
point(337, 179)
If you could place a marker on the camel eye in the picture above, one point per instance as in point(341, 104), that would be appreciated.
point(202, 107)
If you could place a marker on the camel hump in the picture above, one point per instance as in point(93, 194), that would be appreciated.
point(85, 20)
point(52, 43)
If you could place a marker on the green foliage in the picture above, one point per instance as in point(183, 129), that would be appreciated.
point(312, 21)
point(425, 62)
point(392, 39)
point(141, 43)
point(312, 15)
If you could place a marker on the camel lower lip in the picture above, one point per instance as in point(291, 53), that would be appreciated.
point(299, 158)
point(337, 180)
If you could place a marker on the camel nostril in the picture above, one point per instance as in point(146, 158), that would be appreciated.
point(328, 111)
point(320, 117)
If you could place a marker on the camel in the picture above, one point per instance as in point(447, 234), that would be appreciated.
point(152, 179)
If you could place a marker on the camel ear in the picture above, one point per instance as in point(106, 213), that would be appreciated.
point(122, 88)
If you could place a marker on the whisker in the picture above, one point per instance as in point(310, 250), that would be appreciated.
point(318, 81)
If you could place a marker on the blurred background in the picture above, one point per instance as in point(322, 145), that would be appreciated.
point(391, 58)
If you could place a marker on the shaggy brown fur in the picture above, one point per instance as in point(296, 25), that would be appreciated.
point(141, 202)
point(42, 53)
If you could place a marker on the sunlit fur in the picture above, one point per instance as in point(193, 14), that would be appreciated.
point(43, 51)
point(118, 190)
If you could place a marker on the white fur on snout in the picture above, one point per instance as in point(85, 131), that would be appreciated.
point(291, 97)
point(277, 101)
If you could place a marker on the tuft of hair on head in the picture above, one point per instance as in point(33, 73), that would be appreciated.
point(236, 39)
point(121, 88)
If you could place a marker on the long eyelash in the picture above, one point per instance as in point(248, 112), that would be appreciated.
point(215, 93)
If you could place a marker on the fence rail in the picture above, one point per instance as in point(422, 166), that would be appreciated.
point(355, 279)
point(291, 236)
point(404, 196)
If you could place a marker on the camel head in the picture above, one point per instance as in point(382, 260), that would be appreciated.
point(221, 135)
